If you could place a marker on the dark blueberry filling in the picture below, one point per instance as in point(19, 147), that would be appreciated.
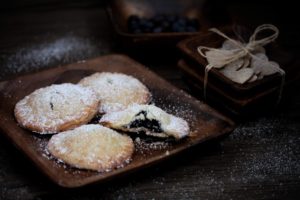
point(51, 105)
point(110, 81)
point(96, 119)
point(150, 124)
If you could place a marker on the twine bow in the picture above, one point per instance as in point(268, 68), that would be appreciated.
point(218, 58)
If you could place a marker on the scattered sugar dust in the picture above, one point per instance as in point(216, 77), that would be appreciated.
point(144, 147)
point(257, 155)
point(172, 104)
point(66, 49)
point(268, 149)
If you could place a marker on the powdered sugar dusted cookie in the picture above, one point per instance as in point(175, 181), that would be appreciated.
point(149, 119)
point(92, 147)
point(56, 108)
point(116, 91)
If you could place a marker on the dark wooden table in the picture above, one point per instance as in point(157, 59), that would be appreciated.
point(259, 160)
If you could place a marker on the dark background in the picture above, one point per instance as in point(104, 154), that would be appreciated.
point(259, 160)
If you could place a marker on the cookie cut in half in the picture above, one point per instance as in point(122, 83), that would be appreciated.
point(116, 91)
point(56, 108)
point(92, 147)
point(149, 119)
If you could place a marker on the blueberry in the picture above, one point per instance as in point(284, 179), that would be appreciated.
point(157, 19)
point(136, 31)
point(177, 27)
point(194, 23)
point(171, 18)
point(190, 29)
point(133, 27)
point(182, 21)
point(133, 19)
point(157, 30)
point(180, 29)
point(143, 21)
point(149, 24)
point(166, 26)
point(133, 23)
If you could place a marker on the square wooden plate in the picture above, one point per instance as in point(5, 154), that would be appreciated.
point(205, 122)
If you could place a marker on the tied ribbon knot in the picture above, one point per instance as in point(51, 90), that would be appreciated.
point(218, 58)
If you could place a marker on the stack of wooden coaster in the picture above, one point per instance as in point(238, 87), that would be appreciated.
point(251, 90)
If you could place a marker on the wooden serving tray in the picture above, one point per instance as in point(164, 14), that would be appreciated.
point(205, 122)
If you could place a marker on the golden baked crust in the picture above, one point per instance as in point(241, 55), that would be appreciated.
point(147, 118)
point(92, 147)
point(56, 108)
point(116, 91)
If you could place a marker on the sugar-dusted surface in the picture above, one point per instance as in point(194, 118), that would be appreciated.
point(56, 108)
point(281, 152)
point(116, 91)
point(44, 54)
point(92, 147)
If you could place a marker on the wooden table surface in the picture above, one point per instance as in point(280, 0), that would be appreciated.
point(259, 160)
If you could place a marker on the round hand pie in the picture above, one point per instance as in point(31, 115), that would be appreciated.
point(92, 147)
point(149, 119)
point(56, 108)
point(116, 91)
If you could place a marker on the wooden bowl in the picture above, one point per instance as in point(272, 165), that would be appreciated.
point(120, 10)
